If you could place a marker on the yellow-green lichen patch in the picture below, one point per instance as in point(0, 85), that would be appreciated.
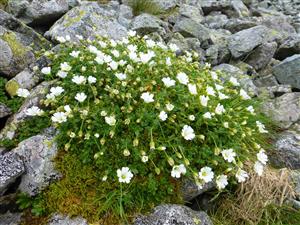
point(11, 87)
point(72, 20)
point(18, 49)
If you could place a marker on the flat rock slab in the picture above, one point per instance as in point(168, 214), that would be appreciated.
point(58, 219)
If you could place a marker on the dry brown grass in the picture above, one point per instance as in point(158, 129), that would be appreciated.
point(251, 200)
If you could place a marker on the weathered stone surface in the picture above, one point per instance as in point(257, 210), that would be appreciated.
point(37, 153)
point(287, 150)
point(285, 110)
point(58, 219)
point(295, 175)
point(38, 12)
point(11, 167)
point(166, 4)
point(191, 190)
point(10, 219)
point(38, 93)
point(4, 110)
point(238, 24)
point(262, 55)
point(146, 23)
point(274, 91)
point(17, 44)
point(289, 47)
point(265, 81)
point(288, 71)
point(243, 42)
point(89, 20)
point(174, 214)
point(191, 12)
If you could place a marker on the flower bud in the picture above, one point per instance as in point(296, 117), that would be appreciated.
point(157, 171)
point(135, 142)
point(126, 152)
point(171, 161)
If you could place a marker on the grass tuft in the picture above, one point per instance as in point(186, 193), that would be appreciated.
point(144, 6)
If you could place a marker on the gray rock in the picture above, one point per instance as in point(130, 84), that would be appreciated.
point(58, 219)
point(37, 94)
point(287, 150)
point(36, 12)
point(4, 110)
point(190, 189)
point(146, 23)
point(37, 153)
point(216, 21)
point(245, 81)
point(166, 4)
point(191, 12)
point(232, 8)
point(125, 16)
point(289, 47)
point(288, 71)
point(238, 24)
point(243, 42)
point(262, 55)
point(284, 110)
point(11, 167)
point(295, 175)
point(174, 214)
point(265, 81)
point(89, 20)
point(17, 44)
point(217, 54)
point(10, 219)
point(274, 91)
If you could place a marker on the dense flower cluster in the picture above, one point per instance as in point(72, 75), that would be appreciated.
point(136, 110)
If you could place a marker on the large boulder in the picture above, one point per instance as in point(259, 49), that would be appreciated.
point(11, 167)
point(191, 190)
point(174, 214)
point(288, 71)
point(10, 218)
point(36, 12)
point(4, 110)
point(243, 42)
point(88, 21)
point(166, 4)
point(17, 43)
point(289, 47)
point(38, 153)
point(58, 219)
point(284, 110)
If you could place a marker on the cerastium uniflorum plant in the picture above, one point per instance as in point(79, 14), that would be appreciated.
point(144, 119)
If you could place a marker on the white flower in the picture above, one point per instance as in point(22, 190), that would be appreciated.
point(131, 33)
point(34, 111)
point(113, 65)
point(68, 109)
point(24, 93)
point(210, 91)
point(214, 75)
point(124, 175)
point(204, 100)
point(132, 48)
point(80, 97)
point(46, 70)
point(262, 157)
point(173, 47)
point(150, 43)
point(258, 168)
point(168, 82)
point(191, 117)
point(147, 97)
point(121, 76)
point(116, 53)
point(102, 44)
point(261, 127)
point(207, 115)
point(241, 175)
point(65, 67)
point(80, 37)
point(75, 54)
point(113, 43)
point(56, 91)
point(206, 174)
point(169, 107)
point(50, 96)
point(163, 116)
point(59, 117)
point(92, 79)
point(228, 155)
point(221, 181)
point(192, 89)
point(250, 109)
point(145, 158)
point(219, 109)
point(79, 79)
point(133, 56)
point(61, 39)
point(219, 87)
point(188, 133)
point(103, 113)
point(244, 95)
point(110, 120)
point(234, 81)
point(222, 96)
point(168, 61)
point(62, 74)
point(178, 170)
point(226, 124)
point(182, 78)
point(145, 58)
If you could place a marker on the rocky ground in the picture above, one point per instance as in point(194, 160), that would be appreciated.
point(258, 41)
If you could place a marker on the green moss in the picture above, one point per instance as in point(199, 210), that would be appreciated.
point(70, 21)
point(18, 49)
point(13, 103)
point(12, 87)
point(144, 6)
